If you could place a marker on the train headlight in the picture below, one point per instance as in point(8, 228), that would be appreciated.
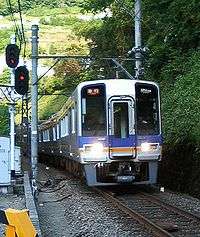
point(145, 147)
point(96, 150)
point(93, 152)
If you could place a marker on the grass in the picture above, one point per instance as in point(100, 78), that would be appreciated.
point(45, 11)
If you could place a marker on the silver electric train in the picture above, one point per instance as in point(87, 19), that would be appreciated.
point(109, 132)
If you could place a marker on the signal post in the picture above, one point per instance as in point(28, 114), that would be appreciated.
point(12, 60)
point(34, 103)
point(19, 83)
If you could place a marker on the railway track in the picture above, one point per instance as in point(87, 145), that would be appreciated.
point(157, 216)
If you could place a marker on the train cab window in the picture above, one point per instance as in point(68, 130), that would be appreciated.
point(93, 110)
point(121, 123)
point(147, 109)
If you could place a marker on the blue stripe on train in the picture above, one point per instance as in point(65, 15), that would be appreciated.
point(120, 142)
point(150, 139)
point(90, 140)
point(123, 142)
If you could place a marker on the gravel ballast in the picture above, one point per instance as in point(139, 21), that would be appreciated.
point(67, 207)
point(76, 210)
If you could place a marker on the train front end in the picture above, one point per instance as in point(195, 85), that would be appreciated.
point(120, 132)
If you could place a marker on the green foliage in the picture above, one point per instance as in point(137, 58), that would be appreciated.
point(171, 31)
point(180, 167)
point(67, 21)
point(4, 39)
point(4, 120)
point(181, 105)
point(96, 5)
point(48, 105)
point(5, 77)
point(44, 11)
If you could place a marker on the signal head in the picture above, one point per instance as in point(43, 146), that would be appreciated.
point(12, 55)
point(21, 80)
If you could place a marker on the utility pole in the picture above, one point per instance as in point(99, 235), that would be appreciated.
point(34, 103)
point(12, 116)
point(138, 40)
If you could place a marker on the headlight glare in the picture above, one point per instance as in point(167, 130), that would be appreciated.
point(145, 147)
point(96, 149)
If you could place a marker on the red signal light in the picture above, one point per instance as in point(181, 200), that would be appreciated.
point(21, 77)
point(21, 80)
point(12, 61)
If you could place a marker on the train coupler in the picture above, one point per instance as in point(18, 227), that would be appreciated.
point(125, 174)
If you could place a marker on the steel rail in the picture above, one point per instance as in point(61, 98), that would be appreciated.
point(149, 225)
point(170, 207)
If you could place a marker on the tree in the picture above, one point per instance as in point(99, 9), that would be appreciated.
point(4, 120)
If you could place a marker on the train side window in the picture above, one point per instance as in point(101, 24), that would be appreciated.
point(73, 120)
point(44, 136)
point(61, 128)
point(40, 137)
point(66, 125)
point(48, 136)
point(69, 121)
point(54, 133)
point(58, 131)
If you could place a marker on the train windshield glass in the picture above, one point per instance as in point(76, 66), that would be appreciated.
point(147, 109)
point(93, 111)
point(121, 123)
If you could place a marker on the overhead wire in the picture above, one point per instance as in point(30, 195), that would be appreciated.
point(16, 27)
point(22, 28)
point(20, 33)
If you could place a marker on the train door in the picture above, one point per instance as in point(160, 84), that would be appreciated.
point(121, 127)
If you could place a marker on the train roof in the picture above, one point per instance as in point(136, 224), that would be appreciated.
point(111, 81)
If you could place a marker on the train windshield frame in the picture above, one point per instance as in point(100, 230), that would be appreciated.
point(93, 110)
point(147, 109)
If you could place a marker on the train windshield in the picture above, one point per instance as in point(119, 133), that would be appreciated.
point(147, 109)
point(93, 111)
point(121, 123)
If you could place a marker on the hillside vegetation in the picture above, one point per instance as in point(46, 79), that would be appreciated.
point(170, 30)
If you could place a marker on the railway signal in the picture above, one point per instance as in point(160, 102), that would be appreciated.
point(12, 55)
point(21, 80)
